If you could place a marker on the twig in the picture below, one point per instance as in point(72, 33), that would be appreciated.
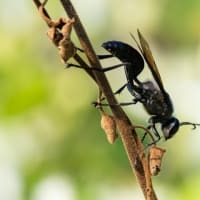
point(46, 17)
point(129, 137)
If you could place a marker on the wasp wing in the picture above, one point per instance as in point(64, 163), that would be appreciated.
point(146, 52)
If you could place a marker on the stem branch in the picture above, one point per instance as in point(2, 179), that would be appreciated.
point(131, 141)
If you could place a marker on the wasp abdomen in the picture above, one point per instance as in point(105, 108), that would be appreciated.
point(126, 54)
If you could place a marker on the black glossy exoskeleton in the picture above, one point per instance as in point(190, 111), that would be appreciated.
point(154, 97)
point(133, 61)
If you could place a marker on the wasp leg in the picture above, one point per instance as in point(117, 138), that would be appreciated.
point(95, 68)
point(95, 103)
point(117, 92)
point(153, 120)
point(154, 130)
point(120, 89)
point(145, 134)
point(157, 135)
point(132, 88)
point(154, 142)
point(143, 137)
point(101, 57)
point(82, 67)
point(81, 50)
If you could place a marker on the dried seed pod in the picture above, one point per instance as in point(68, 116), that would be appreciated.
point(59, 33)
point(66, 46)
point(53, 33)
point(108, 124)
point(155, 158)
point(66, 50)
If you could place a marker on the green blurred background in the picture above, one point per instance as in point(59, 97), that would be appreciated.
point(51, 143)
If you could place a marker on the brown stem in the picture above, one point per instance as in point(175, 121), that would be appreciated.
point(131, 141)
point(46, 17)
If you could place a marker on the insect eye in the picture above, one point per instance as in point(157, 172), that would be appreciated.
point(170, 127)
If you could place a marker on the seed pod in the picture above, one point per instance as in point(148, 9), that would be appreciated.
point(65, 45)
point(155, 158)
point(66, 50)
point(108, 124)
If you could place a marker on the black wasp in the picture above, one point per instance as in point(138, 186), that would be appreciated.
point(154, 98)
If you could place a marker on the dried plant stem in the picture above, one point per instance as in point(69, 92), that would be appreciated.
point(131, 141)
point(129, 137)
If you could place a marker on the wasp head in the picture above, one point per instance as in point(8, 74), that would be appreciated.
point(170, 127)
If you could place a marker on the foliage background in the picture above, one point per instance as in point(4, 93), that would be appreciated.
point(51, 143)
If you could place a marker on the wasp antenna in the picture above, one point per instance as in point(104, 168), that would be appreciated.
point(189, 123)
